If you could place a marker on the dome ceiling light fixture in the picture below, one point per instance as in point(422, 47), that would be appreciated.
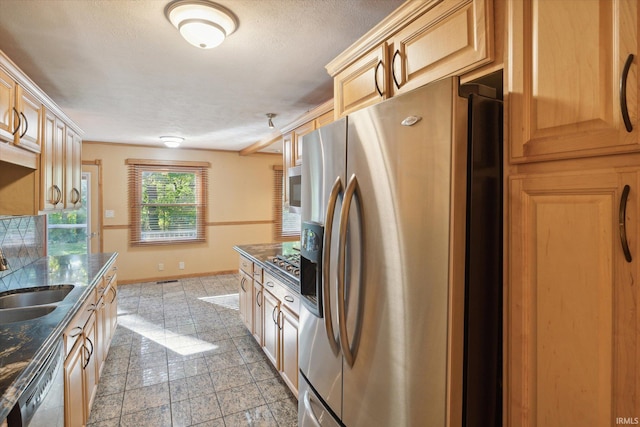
point(202, 23)
point(172, 141)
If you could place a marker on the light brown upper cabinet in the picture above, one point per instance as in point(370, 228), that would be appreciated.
point(362, 83)
point(73, 170)
point(20, 114)
point(52, 163)
point(571, 81)
point(450, 39)
point(60, 165)
point(418, 43)
point(296, 140)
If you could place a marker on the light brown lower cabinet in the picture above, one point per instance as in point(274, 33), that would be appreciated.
point(270, 311)
point(289, 348)
point(246, 300)
point(271, 337)
point(258, 315)
point(74, 400)
point(280, 326)
point(573, 328)
point(86, 344)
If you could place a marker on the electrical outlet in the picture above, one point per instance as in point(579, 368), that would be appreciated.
point(181, 265)
point(160, 267)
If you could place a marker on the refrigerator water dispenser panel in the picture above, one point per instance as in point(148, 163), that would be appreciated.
point(311, 266)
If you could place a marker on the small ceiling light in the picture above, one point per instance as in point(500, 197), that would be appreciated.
point(270, 122)
point(171, 141)
point(202, 23)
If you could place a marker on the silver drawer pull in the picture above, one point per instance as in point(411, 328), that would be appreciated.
point(288, 298)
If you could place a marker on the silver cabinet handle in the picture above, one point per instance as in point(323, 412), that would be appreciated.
point(242, 284)
point(58, 193)
point(75, 193)
point(326, 258)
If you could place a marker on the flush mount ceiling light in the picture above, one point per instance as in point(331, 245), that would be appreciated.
point(171, 141)
point(270, 122)
point(202, 23)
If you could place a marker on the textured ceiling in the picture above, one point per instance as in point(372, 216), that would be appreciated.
point(124, 74)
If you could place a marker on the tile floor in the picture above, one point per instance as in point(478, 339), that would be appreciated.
point(181, 356)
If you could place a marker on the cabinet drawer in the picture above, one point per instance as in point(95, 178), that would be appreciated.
point(270, 283)
point(285, 294)
point(76, 326)
point(289, 298)
point(257, 273)
point(246, 265)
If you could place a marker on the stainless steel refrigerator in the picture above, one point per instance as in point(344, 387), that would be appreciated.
point(401, 263)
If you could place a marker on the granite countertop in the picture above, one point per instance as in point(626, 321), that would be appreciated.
point(261, 253)
point(23, 345)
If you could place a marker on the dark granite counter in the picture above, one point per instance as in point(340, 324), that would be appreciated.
point(24, 344)
point(260, 253)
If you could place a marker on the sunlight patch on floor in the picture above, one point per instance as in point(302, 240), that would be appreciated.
point(179, 343)
point(226, 301)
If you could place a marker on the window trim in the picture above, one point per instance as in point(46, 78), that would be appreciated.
point(279, 234)
point(137, 167)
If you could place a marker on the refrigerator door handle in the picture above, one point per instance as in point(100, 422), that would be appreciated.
point(326, 259)
point(352, 186)
point(309, 410)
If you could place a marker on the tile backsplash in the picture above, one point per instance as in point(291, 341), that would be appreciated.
point(22, 240)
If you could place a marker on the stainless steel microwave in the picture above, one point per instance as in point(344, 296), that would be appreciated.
point(295, 189)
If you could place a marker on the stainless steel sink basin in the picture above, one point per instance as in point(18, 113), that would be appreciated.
point(34, 297)
point(11, 315)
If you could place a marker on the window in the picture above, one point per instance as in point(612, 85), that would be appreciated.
point(287, 224)
point(167, 201)
point(67, 230)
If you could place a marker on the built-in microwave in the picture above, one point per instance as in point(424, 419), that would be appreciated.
point(294, 177)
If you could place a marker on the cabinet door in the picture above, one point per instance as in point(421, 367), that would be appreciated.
point(246, 300)
point(271, 340)
point(298, 133)
point(7, 105)
point(362, 83)
point(566, 62)
point(91, 364)
point(450, 39)
point(74, 402)
point(52, 163)
point(325, 119)
point(111, 296)
point(28, 136)
point(258, 315)
point(73, 170)
point(289, 363)
point(572, 327)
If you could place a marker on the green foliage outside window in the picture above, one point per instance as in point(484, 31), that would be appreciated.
point(169, 205)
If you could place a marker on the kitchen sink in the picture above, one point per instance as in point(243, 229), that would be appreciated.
point(10, 315)
point(34, 297)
